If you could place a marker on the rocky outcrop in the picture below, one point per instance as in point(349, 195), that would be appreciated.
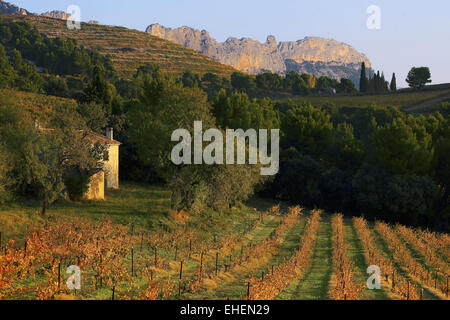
point(57, 14)
point(9, 8)
point(314, 55)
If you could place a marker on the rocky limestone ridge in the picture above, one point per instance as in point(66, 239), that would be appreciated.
point(319, 56)
point(9, 8)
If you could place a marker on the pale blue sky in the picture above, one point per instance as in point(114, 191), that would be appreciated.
point(413, 32)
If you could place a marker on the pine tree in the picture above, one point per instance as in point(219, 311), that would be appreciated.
point(363, 82)
point(383, 87)
point(393, 83)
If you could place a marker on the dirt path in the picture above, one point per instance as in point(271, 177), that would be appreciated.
point(428, 103)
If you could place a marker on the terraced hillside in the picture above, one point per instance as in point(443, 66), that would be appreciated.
point(129, 48)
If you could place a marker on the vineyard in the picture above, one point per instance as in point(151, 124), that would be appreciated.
point(273, 252)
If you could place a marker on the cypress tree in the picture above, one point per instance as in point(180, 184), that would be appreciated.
point(363, 79)
point(393, 83)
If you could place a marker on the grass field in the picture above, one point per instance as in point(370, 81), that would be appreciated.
point(129, 48)
point(212, 255)
point(401, 99)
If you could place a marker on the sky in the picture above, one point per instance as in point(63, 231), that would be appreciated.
point(412, 32)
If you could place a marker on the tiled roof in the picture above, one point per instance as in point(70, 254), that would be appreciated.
point(96, 137)
point(93, 136)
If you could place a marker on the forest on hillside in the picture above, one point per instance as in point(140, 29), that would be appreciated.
point(376, 161)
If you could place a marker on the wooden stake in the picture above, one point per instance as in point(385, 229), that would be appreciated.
point(181, 270)
point(435, 280)
point(217, 261)
point(447, 286)
point(190, 248)
point(201, 263)
point(132, 262)
point(59, 276)
point(407, 297)
point(248, 290)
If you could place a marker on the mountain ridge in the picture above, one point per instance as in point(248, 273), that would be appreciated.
point(326, 56)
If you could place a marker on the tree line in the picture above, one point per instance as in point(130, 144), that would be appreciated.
point(376, 160)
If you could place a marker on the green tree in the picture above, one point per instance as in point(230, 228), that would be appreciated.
point(441, 160)
point(402, 150)
point(363, 82)
point(395, 198)
point(243, 82)
point(350, 152)
point(307, 129)
point(94, 116)
point(56, 86)
point(324, 84)
point(7, 72)
point(99, 91)
point(347, 86)
point(393, 86)
point(418, 77)
point(41, 157)
point(163, 107)
point(268, 81)
point(190, 80)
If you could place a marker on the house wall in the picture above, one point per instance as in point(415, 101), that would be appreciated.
point(111, 168)
point(96, 187)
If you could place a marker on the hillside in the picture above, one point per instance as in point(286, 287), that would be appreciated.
point(38, 105)
point(128, 48)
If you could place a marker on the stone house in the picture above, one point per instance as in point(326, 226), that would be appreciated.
point(106, 177)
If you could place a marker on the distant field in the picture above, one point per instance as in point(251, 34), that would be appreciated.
point(129, 48)
point(401, 99)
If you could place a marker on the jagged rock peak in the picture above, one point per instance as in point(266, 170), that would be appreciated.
point(9, 8)
point(57, 14)
point(312, 54)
